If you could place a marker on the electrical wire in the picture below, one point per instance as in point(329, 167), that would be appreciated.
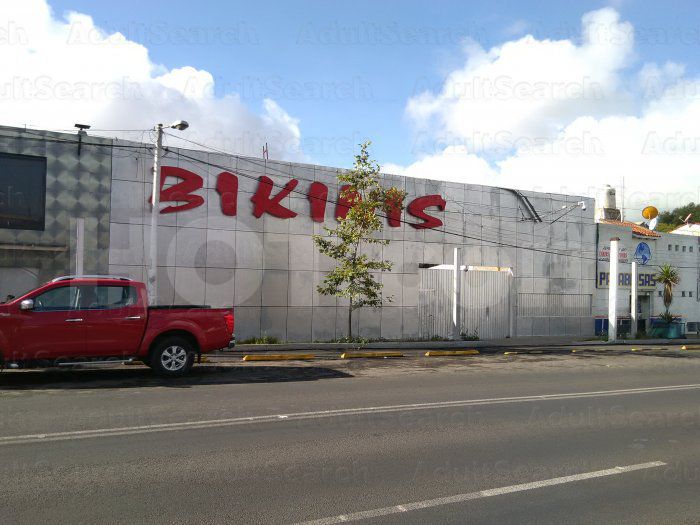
point(581, 243)
point(145, 147)
point(266, 168)
point(440, 230)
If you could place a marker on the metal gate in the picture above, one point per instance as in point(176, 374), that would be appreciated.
point(435, 303)
point(484, 309)
point(486, 303)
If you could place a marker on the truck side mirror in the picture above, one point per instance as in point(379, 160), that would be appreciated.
point(27, 304)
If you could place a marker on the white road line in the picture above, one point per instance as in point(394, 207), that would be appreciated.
point(190, 425)
point(459, 498)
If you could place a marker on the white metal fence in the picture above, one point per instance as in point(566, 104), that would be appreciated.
point(485, 307)
point(435, 303)
point(554, 305)
point(486, 304)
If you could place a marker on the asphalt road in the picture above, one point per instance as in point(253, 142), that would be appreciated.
point(523, 439)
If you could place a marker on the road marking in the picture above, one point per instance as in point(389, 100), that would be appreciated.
point(468, 496)
point(211, 423)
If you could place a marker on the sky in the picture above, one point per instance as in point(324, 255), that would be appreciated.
point(553, 96)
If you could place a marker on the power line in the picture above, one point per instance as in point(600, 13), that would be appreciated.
point(223, 152)
point(498, 231)
point(146, 147)
point(441, 230)
point(447, 232)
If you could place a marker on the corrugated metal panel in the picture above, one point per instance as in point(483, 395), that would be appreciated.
point(435, 303)
point(485, 305)
point(554, 305)
point(484, 309)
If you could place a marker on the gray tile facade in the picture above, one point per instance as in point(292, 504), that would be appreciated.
point(275, 268)
point(77, 186)
point(268, 267)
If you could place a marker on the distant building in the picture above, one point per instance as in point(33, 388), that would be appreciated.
point(691, 228)
point(649, 249)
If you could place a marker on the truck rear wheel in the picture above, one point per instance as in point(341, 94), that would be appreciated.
point(172, 357)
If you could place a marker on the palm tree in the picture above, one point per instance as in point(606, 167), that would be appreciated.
point(669, 277)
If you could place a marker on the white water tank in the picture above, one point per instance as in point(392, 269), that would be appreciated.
point(608, 208)
point(609, 199)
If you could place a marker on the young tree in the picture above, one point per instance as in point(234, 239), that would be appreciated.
point(367, 203)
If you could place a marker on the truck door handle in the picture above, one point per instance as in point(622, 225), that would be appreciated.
point(133, 317)
point(76, 320)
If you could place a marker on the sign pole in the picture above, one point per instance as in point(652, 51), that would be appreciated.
point(79, 246)
point(633, 300)
point(456, 328)
point(612, 290)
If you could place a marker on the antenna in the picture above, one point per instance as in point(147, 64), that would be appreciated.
point(650, 212)
point(265, 152)
point(652, 223)
point(685, 221)
point(622, 200)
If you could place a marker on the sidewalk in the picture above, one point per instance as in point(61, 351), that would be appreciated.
point(548, 341)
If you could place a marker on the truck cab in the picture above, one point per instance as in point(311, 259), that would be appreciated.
point(77, 318)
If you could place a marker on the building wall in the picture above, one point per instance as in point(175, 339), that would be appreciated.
point(269, 268)
point(680, 251)
point(76, 187)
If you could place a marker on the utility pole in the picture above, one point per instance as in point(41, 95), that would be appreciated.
point(612, 296)
point(155, 211)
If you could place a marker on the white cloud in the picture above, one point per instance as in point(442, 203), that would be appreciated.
point(451, 163)
point(530, 87)
point(564, 117)
point(58, 71)
point(517, 28)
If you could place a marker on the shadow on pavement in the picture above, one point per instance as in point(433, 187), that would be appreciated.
point(142, 377)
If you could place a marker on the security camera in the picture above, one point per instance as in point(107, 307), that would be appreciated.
point(582, 204)
point(180, 125)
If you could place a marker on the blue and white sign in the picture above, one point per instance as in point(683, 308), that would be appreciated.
point(643, 253)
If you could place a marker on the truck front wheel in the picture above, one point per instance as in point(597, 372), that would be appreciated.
point(172, 357)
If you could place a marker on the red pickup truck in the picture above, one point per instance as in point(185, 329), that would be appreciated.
point(99, 318)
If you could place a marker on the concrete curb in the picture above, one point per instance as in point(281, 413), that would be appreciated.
point(356, 355)
point(489, 351)
point(278, 357)
point(628, 342)
point(522, 342)
point(441, 353)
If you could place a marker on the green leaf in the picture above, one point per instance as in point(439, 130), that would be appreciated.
point(353, 277)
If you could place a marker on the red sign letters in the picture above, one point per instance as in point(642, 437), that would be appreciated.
point(267, 200)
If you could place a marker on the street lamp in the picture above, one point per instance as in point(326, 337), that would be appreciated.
point(179, 125)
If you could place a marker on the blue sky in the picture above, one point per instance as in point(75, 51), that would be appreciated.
point(273, 48)
point(562, 97)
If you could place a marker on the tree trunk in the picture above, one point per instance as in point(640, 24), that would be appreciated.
point(350, 322)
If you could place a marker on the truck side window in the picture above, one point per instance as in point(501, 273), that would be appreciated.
point(62, 298)
point(107, 297)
